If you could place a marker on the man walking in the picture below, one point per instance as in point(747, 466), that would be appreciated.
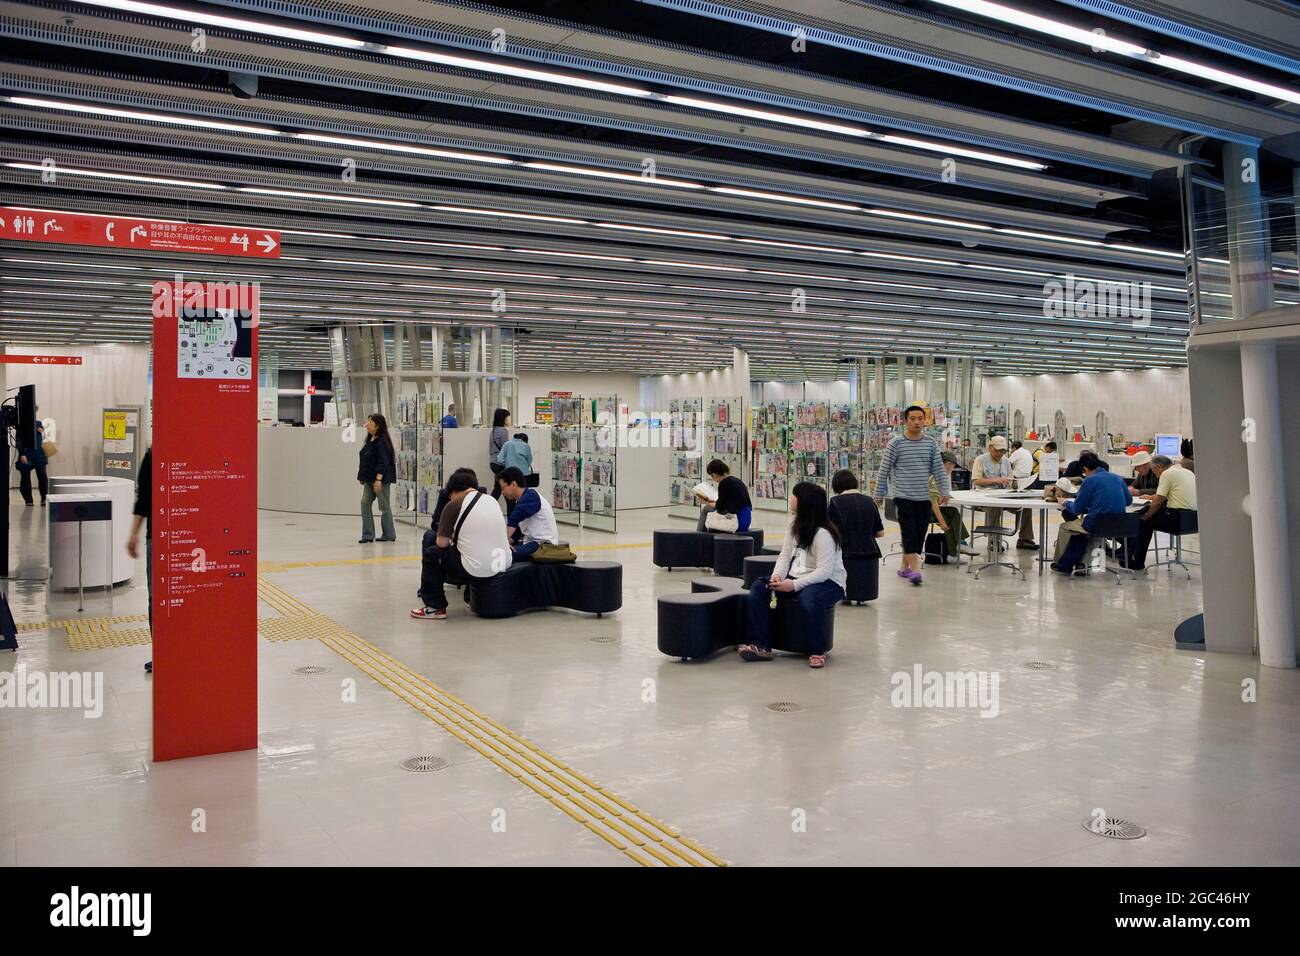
point(910, 461)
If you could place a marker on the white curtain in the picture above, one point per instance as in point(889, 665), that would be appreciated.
point(74, 397)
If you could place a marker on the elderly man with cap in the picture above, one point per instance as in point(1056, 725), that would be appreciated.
point(947, 517)
point(992, 471)
point(1145, 480)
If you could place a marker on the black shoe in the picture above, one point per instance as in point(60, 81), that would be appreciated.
point(148, 667)
point(1060, 570)
point(42, 502)
point(1026, 545)
point(365, 540)
point(27, 503)
point(385, 539)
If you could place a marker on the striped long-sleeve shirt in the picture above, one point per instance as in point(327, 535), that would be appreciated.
point(907, 468)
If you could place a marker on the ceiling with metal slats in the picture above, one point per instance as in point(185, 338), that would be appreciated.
point(639, 185)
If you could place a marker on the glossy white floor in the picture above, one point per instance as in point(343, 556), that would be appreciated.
point(1124, 723)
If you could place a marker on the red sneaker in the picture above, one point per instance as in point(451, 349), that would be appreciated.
point(430, 614)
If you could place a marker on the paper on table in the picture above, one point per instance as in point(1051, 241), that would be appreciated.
point(1049, 467)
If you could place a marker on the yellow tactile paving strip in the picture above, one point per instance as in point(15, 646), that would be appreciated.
point(615, 820)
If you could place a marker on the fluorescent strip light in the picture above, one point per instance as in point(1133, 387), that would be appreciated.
point(1101, 41)
point(960, 151)
point(233, 23)
point(734, 109)
point(405, 148)
point(510, 215)
point(915, 217)
point(1049, 237)
point(330, 197)
point(156, 180)
point(610, 174)
point(665, 232)
point(782, 197)
point(691, 265)
point(574, 255)
point(139, 115)
point(523, 72)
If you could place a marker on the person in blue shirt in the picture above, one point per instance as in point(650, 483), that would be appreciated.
point(516, 453)
point(449, 420)
point(1101, 493)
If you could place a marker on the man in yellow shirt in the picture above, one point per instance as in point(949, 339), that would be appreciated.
point(1175, 494)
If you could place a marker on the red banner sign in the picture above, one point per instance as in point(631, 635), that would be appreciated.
point(150, 235)
point(204, 520)
point(40, 359)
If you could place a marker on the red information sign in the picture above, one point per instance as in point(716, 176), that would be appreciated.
point(311, 389)
point(204, 519)
point(150, 235)
point(40, 359)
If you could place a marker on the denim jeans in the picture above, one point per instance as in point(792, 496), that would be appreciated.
point(368, 496)
point(524, 551)
point(814, 600)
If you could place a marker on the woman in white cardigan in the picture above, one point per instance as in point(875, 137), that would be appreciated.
point(810, 570)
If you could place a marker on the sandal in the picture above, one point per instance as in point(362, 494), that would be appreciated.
point(752, 652)
point(817, 661)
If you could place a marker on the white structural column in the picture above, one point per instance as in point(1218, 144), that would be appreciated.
point(1270, 543)
point(1252, 292)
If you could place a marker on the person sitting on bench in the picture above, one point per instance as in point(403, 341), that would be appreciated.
point(531, 520)
point(855, 515)
point(809, 570)
point(470, 543)
point(732, 502)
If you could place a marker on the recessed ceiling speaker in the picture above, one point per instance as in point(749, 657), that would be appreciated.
point(243, 85)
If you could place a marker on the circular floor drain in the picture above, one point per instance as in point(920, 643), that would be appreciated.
point(426, 763)
point(785, 707)
point(1114, 828)
point(603, 639)
point(311, 670)
point(1040, 666)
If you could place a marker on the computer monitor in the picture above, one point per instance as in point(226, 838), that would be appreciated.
point(1169, 445)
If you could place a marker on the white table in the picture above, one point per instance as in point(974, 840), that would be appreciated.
point(1031, 500)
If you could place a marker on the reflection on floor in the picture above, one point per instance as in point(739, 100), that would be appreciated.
point(1121, 722)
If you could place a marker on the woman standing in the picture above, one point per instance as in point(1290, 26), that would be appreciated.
point(377, 472)
point(496, 441)
point(810, 570)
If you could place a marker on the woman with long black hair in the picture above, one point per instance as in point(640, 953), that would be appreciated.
point(810, 570)
point(496, 441)
point(377, 472)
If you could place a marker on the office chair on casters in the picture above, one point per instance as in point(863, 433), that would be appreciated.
point(993, 535)
point(1187, 524)
point(1124, 527)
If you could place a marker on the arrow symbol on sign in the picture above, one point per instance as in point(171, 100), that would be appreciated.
point(267, 243)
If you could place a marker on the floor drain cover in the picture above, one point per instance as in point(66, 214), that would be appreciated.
point(1040, 665)
point(311, 670)
point(603, 639)
point(424, 764)
point(1114, 828)
point(785, 707)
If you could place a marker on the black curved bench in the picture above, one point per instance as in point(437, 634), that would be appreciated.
point(715, 615)
point(595, 587)
point(700, 549)
point(863, 582)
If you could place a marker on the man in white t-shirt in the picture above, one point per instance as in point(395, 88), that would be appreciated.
point(531, 521)
point(1022, 469)
point(469, 544)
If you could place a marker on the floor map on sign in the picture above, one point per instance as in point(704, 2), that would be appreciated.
point(217, 344)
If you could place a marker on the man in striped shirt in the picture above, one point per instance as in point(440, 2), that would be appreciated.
point(910, 461)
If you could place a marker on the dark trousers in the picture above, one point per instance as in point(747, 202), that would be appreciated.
point(524, 551)
point(438, 567)
point(148, 577)
point(1073, 554)
point(25, 482)
point(1166, 520)
point(496, 468)
point(814, 600)
point(913, 521)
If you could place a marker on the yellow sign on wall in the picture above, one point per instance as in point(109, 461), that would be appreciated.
point(115, 425)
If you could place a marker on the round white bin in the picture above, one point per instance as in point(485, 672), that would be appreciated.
point(95, 541)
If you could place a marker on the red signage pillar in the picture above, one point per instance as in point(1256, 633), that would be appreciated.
point(204, 518)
